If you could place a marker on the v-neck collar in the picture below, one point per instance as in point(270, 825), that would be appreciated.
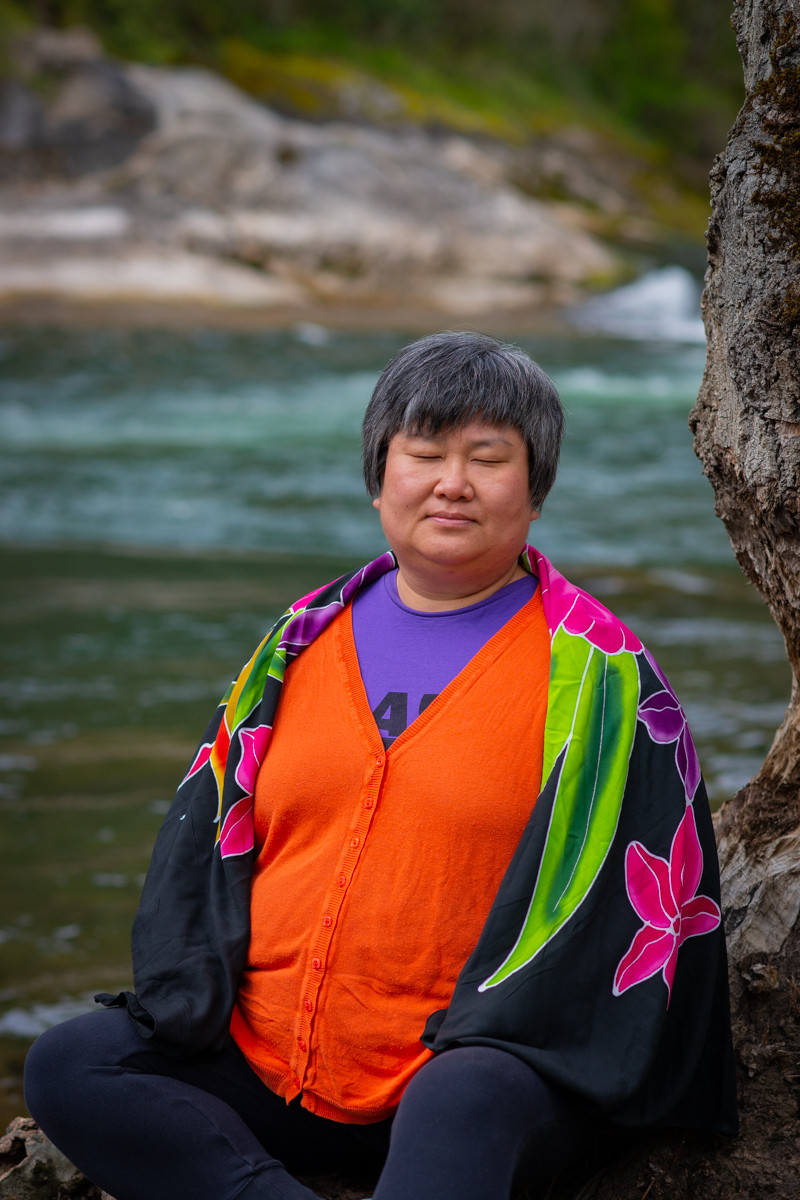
point(479, 662)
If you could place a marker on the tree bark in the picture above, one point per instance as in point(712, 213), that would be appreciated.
point(747, 434)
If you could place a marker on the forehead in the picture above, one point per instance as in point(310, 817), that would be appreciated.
point(473, 434)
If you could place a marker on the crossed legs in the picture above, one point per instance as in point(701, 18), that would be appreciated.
point(146, 1126)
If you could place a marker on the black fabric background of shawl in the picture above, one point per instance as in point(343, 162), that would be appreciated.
point(631, 1057)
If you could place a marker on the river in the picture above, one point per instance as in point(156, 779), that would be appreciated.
point(163, 494)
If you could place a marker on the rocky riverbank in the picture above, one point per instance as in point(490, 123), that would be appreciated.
point(126, 184)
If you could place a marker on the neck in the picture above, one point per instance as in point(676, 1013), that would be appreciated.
point(444, 595)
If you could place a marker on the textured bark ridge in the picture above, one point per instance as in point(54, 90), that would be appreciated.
point(747, 417)
point(747, 435)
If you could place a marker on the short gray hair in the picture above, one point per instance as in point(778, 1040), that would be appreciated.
point(446, 380)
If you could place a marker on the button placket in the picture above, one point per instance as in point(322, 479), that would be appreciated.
point(315, 975)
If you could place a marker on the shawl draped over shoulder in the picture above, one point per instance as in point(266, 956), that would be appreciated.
point(602, 960)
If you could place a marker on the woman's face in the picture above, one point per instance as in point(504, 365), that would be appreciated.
point(455, 508)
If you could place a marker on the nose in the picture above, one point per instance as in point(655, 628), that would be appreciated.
point(453, 482)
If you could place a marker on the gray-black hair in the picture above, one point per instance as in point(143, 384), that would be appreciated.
point(446, 380)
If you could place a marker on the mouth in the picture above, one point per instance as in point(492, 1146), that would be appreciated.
point(453, 520)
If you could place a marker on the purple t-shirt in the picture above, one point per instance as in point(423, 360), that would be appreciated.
point(407, 657)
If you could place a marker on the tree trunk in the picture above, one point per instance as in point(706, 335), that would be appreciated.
point(747, 435)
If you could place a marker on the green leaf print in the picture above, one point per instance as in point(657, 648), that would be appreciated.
point(591, 722)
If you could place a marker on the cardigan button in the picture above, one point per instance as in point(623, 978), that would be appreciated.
point(303, 1044)
point(308, 1006)
point(327, 922)
point(296, 1081)
point(316, 963)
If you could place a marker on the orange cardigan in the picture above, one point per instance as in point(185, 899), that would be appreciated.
point(365, 857)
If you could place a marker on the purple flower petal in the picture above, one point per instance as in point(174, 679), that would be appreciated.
point(373, 570)
point(658, 672)
point(663, 716)
point(688, 763)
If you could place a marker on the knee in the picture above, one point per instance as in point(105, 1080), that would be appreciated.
point(55, 1064)
point(47, 1075)
point(466, 1081)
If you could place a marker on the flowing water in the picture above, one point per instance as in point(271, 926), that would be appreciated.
point(163, 495)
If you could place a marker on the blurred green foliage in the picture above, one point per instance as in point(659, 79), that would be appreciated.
point(666, 68)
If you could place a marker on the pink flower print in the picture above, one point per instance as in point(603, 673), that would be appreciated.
point(666, 722)
point(582, 615)
point(304, 601)
point(663, 895)
point(200, 760)
point(237, 835)
point(253, 743)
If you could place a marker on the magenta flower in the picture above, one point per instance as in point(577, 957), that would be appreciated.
point(583, 616)
point(254, 744)
point(663, 895)
point(237, 835)
point(666, 722)
point(200, 760)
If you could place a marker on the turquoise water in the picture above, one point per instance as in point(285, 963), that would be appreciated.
point(164, 494)
point(251, 442)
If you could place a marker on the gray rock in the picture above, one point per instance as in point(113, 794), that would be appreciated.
point(31, 1168)
point(67, 111)
point(55, 50)
point(95, 120)
point(20, 117)
point(206, 184)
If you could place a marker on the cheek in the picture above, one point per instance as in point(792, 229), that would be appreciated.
point(400, 494)
point(514, 501)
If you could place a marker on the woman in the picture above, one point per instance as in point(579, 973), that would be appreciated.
point(439, 890)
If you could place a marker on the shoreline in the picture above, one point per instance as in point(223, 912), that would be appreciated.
point(341, 317)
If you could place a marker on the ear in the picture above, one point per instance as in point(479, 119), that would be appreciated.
point(376, 503)
point(534, 514)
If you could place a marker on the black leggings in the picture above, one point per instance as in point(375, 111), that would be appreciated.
point(145, 1126)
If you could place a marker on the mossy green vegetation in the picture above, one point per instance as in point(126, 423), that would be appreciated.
point(392, 88)
point(663, 70)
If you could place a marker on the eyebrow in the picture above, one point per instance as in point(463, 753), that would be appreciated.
point(490, 441)
point(476, 444)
